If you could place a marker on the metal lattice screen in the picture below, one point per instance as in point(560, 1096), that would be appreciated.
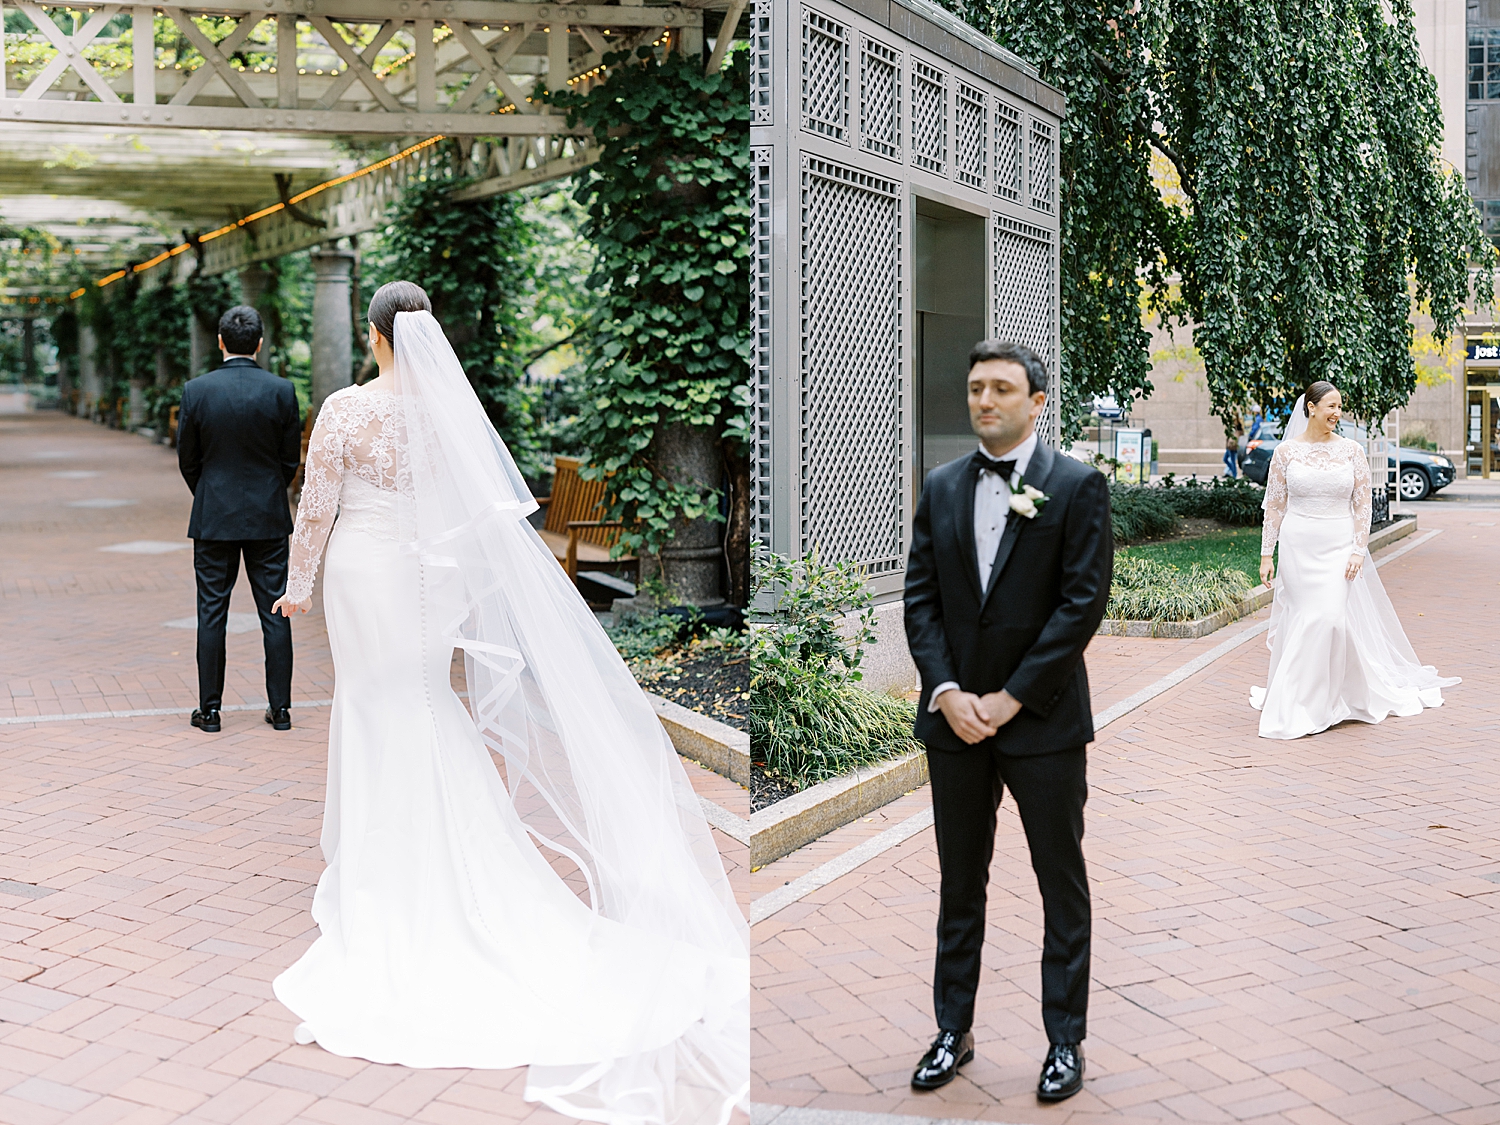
point(970, 125)
point(760, 344)
point(1007, 152)
point(1043, 167)
point(879, 98)
point(929, 118)
point(825, 76)
point(851, 397)
point(1025, 301)
point(760, 62)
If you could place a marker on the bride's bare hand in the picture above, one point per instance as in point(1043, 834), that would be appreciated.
point(287, 608)
point(1266, 570)
point(1356, 562)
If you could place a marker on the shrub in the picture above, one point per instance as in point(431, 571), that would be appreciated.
point(1146, 590)
point(1226, 499)
point(809, 719)
point(1139, 511)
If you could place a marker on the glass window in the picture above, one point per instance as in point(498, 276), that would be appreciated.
point(1489, 217)
point(1484, 64)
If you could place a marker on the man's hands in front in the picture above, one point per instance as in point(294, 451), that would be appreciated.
point(977, 717)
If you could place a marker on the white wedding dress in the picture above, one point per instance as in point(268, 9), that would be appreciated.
point(447, 938)
point(1337, 648)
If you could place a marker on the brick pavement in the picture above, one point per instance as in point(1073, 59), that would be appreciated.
point(1302, 933)
point(153, 879)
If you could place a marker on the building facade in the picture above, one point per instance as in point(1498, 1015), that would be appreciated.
point(905, 175)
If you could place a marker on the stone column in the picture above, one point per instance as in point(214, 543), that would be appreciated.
point(137, 404)
point(691, 564)
point(89, 386)
point(255, 279)
point(28, 343)
point(203, 347)
point(332, 325)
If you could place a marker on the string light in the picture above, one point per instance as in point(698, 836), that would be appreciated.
point(261, 214)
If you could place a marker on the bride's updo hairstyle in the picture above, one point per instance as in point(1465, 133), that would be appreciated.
point(392, 298)
point(1314, 394)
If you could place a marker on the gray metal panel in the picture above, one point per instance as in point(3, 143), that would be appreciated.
point(833, 375)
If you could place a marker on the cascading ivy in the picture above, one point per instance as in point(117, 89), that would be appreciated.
point(1305, 137)
point(472, 259)
point(670, 221)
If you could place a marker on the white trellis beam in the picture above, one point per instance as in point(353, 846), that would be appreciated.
point(532, 43)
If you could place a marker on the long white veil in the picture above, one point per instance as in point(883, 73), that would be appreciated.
point(588, 767)
point(1374, 629)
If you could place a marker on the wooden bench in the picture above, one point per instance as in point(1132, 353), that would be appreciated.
point(578, 538)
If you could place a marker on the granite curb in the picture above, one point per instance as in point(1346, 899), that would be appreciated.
point(788, 825)
point(706, 741)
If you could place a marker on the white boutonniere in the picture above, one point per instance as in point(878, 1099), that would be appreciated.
point(1025, 500)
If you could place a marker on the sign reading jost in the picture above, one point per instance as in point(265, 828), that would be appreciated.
point(1481, 349)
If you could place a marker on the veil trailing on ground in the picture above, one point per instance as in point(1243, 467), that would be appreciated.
point(1375, 632)
point(587, 764)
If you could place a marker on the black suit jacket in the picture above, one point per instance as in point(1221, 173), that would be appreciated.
point(1027, 632)
point(239, 441)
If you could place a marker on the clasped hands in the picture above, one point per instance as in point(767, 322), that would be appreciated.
point(977, 717)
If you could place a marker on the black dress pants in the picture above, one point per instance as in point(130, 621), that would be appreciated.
point(216, 563)
point(1050, 791)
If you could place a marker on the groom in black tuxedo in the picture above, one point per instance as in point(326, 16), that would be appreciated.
point(239, 442)
point(1007, 581)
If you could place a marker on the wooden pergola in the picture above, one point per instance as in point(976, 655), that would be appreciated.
point(207, 137)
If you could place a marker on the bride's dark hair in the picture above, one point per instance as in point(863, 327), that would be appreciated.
point(392, 298)
point(1314, 394)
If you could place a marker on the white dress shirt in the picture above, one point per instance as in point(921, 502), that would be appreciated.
point(991, 511)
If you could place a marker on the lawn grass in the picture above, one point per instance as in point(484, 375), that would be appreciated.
point(1236, 547)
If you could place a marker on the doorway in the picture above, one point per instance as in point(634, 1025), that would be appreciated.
point(1482, 442)
point(950, 296)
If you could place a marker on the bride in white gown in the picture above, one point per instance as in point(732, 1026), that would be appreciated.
point(1337, 648)
point(447, 938)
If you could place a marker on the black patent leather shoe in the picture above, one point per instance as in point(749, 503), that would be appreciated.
point(279, 717)
point(207, 720)
point(1062, 1073)
point(949, 1051)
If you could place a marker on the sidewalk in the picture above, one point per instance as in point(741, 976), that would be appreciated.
point(1303, 933)
point(154, 879)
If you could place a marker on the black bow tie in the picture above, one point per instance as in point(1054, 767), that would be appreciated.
point(987, 464)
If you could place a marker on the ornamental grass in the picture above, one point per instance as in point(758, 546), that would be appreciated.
point(809, 718)
point(1146, 590)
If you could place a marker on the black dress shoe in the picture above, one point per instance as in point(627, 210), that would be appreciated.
point(207, 720)
point(1062, 1073)
point(949, 1051)
point(279, 717)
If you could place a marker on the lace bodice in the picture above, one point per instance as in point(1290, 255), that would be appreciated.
point(1320, 480)
point(353, 464)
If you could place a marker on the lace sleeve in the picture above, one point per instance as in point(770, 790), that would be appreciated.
point(322, 483)
point(1362, 499)
point(1275, 501)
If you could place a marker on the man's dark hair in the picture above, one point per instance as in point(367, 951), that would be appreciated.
point(1029, 361)
point(241, 329)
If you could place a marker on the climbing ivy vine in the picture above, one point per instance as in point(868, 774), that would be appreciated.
point(1300, 139)
point(669, 219)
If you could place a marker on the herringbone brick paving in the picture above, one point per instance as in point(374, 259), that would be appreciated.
point(1297, 933)
point(153, 879)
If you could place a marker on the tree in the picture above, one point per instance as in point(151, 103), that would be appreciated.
point(670, 222)
point(1305, 136)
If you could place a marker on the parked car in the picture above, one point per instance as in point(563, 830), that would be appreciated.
point(1420, 474)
